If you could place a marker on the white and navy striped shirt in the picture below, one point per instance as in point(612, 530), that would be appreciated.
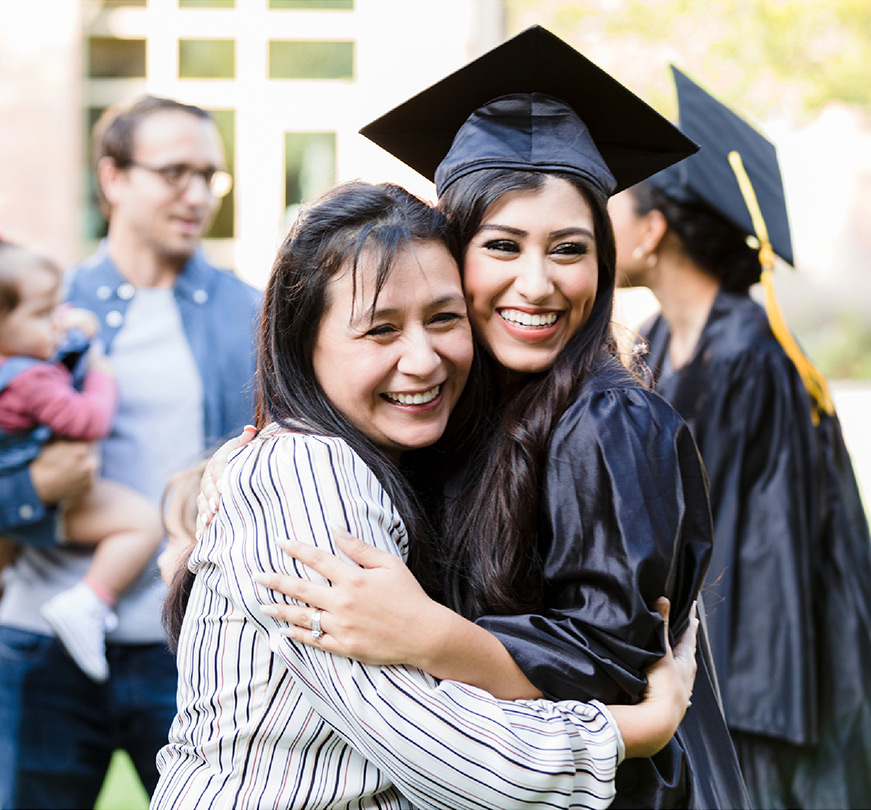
point(265, 722)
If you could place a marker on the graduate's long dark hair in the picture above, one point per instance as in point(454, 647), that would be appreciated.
point(354, 222)
point(489, 551)
point(717, 246)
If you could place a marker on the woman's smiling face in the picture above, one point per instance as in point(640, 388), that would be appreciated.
point(396, 373)
point(531, 274)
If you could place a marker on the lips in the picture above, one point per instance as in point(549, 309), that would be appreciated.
point(187, 225)
point(530, 327)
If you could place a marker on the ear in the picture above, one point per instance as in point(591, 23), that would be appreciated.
point(653, 229)
point(110, 177)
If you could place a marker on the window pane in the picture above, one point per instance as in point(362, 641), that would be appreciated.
point(110, 58)
point(223, 226)
point(311, 60)
point(309, 167)
point(303, 4)
point(206, 58)
point(94, 225)
point(207, 3)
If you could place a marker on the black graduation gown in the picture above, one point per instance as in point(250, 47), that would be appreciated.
point(788, 589)
point(624, 520)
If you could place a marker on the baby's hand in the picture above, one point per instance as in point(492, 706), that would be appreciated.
point(97, 360)
point(69, 317)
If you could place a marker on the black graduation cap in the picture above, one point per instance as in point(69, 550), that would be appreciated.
point(533, 103)
point(708, 177)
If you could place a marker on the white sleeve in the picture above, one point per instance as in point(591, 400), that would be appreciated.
point(443, 744)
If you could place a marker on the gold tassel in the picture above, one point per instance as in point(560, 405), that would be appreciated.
point(811, 376)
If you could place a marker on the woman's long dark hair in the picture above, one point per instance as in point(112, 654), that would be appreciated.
point(329, 237)
point(489, 549)
point(716, 245)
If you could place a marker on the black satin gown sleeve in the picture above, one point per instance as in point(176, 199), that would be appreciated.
point(624, 520)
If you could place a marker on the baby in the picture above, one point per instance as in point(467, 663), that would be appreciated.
point(38, 401)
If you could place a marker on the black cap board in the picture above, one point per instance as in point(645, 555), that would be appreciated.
point(531, 103)
point(708, 177)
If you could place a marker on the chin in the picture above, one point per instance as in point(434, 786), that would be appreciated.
point(180, 253)
point(520, 364)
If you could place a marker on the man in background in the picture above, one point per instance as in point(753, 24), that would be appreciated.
point(179, 333)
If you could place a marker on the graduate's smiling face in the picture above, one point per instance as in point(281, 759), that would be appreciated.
point(531, 274)
point(396, 371)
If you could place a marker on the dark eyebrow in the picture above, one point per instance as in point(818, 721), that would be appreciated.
point(487, 226)
point(553, 235)
point(571, 232)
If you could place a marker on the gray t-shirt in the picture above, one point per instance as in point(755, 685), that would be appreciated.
point(159, 422)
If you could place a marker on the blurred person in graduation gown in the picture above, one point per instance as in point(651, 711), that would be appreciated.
point(788, 590)
point(585, 498)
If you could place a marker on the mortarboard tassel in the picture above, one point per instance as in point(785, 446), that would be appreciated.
point(813, 380)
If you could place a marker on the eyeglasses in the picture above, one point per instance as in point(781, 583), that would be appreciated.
point(179, 176)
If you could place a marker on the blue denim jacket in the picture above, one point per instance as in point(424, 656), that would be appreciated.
point(219, 313)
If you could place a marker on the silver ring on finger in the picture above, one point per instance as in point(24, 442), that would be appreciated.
point(316, 624)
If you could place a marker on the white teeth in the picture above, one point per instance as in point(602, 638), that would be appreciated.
point(414, 399)
point(525, 319)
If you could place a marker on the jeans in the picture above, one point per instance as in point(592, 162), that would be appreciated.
point(58, 728)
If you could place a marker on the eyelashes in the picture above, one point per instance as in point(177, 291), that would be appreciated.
point(439, 320)
point(509, 246)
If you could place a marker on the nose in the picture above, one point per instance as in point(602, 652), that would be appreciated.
point(197, 191)
point(419, 357)
point(533, 280)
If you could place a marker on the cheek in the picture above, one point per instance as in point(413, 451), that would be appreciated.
point(461, 353)
point(582, 292)
point(480, 288)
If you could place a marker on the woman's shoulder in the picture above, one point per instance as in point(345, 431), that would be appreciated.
point(738, 331)
point(280, 445)
point(298, 472)
point(612, 396)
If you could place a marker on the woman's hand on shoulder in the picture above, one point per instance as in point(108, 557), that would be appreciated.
point(209, 499)
point(374, 610)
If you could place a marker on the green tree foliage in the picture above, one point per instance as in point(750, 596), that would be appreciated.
point(792, 56)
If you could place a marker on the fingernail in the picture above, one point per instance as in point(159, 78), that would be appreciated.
point(269, 610)
point(261, 579)
point(248, 427)
point(287, 631)
point(213, 504)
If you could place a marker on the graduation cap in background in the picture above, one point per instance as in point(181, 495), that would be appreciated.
point(532, 103)
point(709, 176)
point(737, 174)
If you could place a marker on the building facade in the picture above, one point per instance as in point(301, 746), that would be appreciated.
point(289, 82)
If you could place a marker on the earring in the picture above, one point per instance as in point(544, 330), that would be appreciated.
point(650, 259)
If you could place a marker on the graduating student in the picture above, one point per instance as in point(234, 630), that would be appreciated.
point(789, 586)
